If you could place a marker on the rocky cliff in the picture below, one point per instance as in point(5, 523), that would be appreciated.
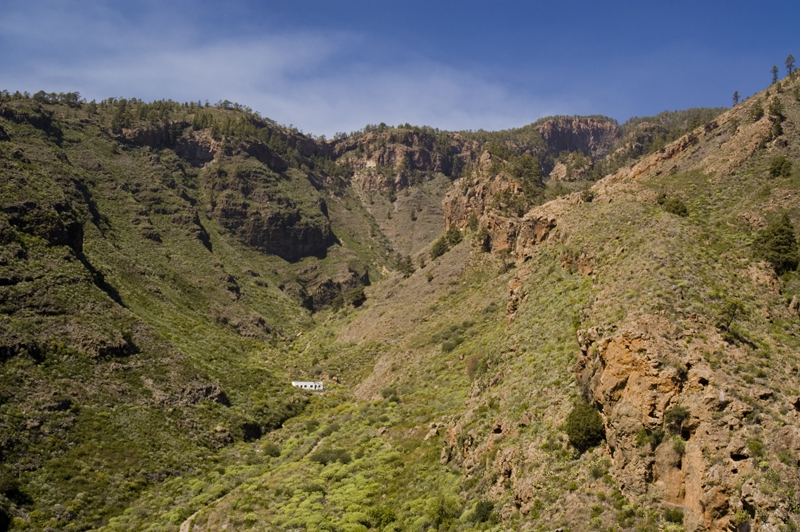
point(392, 158)
point(591, 136)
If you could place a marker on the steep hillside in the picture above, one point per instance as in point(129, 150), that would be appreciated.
point(498, 353)
point(688, 340)
point(142, 279)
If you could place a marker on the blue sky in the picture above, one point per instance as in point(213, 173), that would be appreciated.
point(328, 66)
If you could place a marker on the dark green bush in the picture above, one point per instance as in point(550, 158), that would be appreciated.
point(756, 112)
point(330, 429)
point(780, 167)
point(482, 512)
point(677, 207)
point(271, 449)
point(679, 446)
point(449, 345)
point(326, 456)
point(673, 515)
point(472, 224)
point(381, 516)
point(390, 394)
point(483, 240)
point(597, 471)
point(453, 235)
point(584, 426)
point(337, 303)
point(452, 337)
point(439, 248)
point(732, 309)
point(9, 485)
point(441, 510)
point(651, 438)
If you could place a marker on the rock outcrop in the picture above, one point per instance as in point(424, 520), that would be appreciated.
point(676, 429)
point(392, 159)
point(255, 206)
point(492, 198)
point(592, 136)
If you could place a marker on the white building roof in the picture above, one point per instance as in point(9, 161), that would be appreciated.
point(309, 385)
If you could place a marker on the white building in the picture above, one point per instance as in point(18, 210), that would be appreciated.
point(315, 386)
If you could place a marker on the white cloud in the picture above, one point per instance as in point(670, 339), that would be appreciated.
point(320, 82)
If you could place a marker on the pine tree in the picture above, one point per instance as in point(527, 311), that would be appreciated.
point(439, 247)
point(735, 97)
point(774, 74)
point(790, 64)
point(777, 245)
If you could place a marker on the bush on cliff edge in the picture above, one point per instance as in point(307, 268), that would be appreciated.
point(584, 426)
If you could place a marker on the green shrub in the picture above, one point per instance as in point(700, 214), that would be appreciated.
point(677, 207)
point(483, 239)
point(271, 449)
point(453, 235)
point(673, 515)
point(777, 245)
point(584, 427)
point(381, 516)
point(472, 224)
point(780, 167)
point(406, 266)
point(732, 309)
point(756, 448)
point(441, 510)
point(756, 112)
point(597, 471)
point(439, 248)
point(675, 417)
point(679, 446)
point(741, 517)
point(390, 394)
point(651, 438)
point(330, 429)
point(9, 485)
point(356, 296)
point(449, 345)
point(326, 456)
point(482, 512)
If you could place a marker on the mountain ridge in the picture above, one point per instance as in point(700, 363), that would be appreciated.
point(155, 300)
